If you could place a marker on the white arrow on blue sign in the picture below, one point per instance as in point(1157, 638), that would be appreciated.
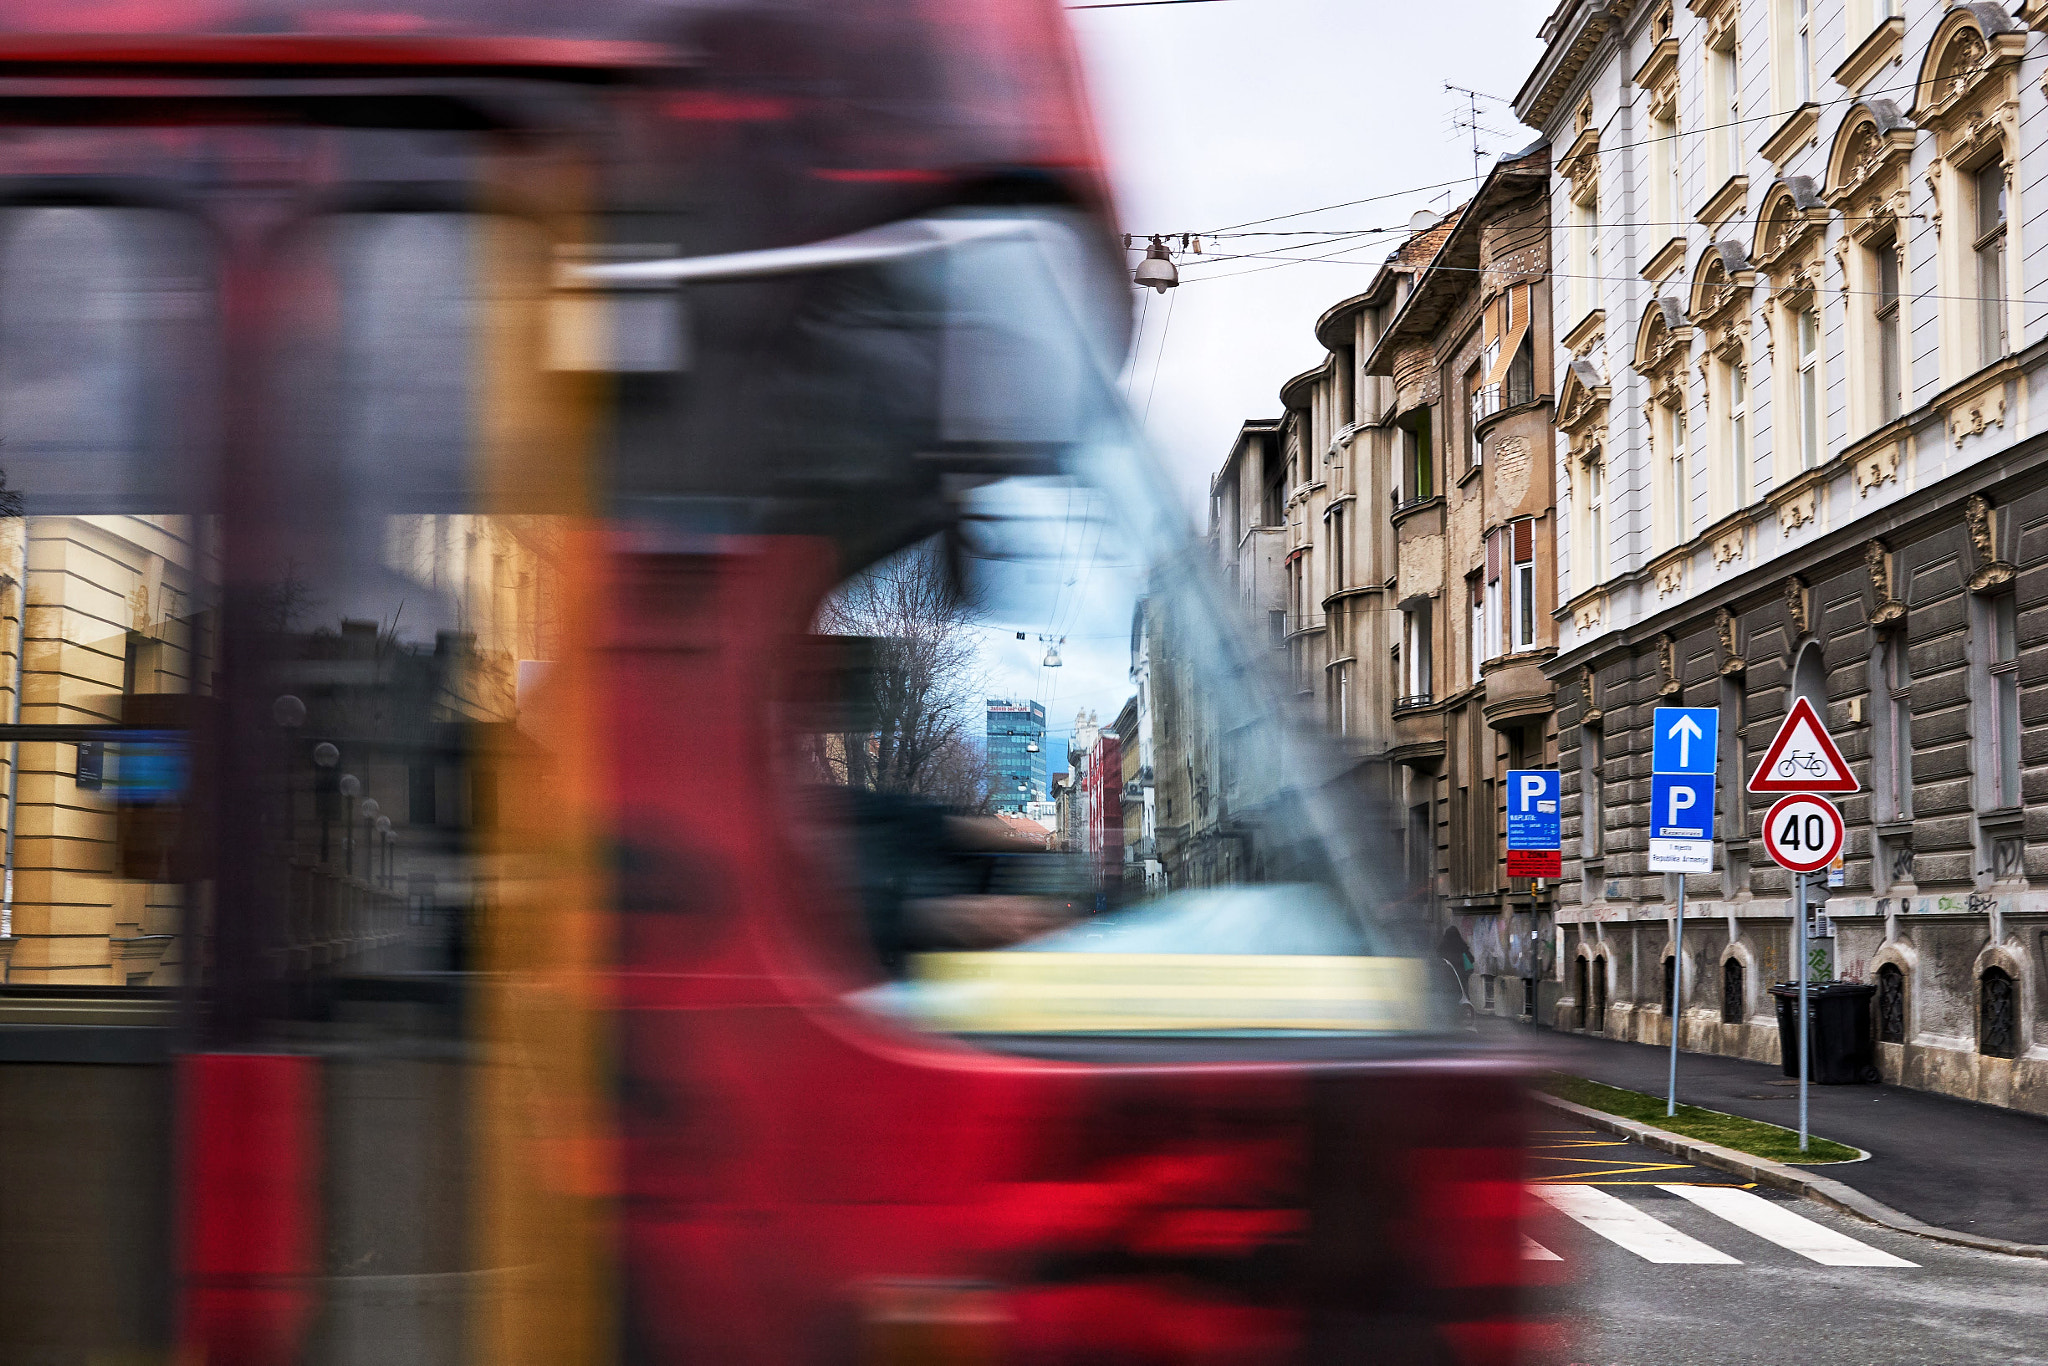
point(1684, 739)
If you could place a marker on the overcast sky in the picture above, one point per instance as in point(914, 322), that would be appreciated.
point(1218, 113)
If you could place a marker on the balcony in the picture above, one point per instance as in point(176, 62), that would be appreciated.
point(1418, 731)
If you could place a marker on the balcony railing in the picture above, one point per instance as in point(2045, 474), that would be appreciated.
point(1414, 701)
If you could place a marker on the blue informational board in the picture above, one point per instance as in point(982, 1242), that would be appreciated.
point(1681, 806)
point(1684, 739)
point(1533, 819)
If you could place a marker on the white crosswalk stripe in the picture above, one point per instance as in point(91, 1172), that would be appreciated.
point(1767, 1219)
point(1634, 1228)
point(1620, 1222)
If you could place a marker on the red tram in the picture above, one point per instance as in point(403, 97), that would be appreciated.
point(513, 510)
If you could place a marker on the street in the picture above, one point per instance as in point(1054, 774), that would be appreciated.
point(1768, 1303)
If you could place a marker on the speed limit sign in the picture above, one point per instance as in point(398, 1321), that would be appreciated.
point(1803, 832)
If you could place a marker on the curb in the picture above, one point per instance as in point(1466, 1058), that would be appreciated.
point(1764, 1172)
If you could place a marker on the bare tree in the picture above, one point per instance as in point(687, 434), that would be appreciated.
point(921, 696)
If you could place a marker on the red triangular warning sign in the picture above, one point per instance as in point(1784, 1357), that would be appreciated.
point(1802, 758)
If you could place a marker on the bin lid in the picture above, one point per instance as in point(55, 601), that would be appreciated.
point(1823, 988)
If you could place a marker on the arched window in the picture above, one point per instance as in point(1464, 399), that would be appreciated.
point(1810, 677)
point(1670, 1001)
point(1600, 994)
point(1584, 990)
point(1996, 1018)
point(1891, 1004)
point(1734, 998)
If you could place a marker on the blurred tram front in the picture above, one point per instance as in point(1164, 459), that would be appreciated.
point(512, 516)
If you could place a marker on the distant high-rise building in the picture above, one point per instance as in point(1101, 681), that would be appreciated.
point(1016, 753)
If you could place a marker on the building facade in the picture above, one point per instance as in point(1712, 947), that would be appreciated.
point(1465, 378)
point(1394, 534)
point(1802, 324)
point(1016, 754)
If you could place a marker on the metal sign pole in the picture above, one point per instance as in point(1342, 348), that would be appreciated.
point(1804, 1030)
point(1677, 994)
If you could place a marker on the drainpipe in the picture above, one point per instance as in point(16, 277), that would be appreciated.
point(14, 749)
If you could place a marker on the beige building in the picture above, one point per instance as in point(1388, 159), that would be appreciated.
point(1466, 421)
point(1392, 534)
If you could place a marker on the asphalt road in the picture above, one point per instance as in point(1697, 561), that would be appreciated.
point(1744, 1298)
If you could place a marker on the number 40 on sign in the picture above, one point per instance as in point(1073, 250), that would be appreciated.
point(1803, 832)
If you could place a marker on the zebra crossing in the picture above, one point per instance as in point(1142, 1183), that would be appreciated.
point(1634, 1228)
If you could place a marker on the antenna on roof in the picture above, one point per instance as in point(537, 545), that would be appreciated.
point(1471, 122)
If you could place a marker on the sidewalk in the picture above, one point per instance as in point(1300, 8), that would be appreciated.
point(1952, 1163)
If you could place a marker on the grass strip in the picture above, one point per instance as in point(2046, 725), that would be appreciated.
point(1751, 1136)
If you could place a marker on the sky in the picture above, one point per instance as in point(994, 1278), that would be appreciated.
point(1212, 114)
point(1217, 113)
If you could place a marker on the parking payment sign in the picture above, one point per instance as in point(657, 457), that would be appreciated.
point(1535, 827)
point(1681, 823)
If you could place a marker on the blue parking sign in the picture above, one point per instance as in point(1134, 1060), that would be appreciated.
point(1684, 739)
point(1535, 827)
point(1533, 819)
point(1681, 823)
point(1681, 807)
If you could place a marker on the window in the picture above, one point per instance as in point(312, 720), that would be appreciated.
point(1733, 996)
point(1891, 1004)
point(1522, 596)
point(1477, 593)
point(1522, 372)
point(1681, 487)
point(1495, 618)
point(1665, 200)
point(1990, 247)
point(1596, 523)
point(1276, 627)
point(1726, 84)
point(1337, 548)
point(1892, 691)
point(1809, 397)
point(1735, 384)
point(1417, 466)
point(2005, 698)
point(1670, 1002)
point(1997, 1034)
point(1592, 790)
point(1415, 650)
point(1890, 369)
point(1273, 511)
point(1802, 51)
point(1586, 254)
point(1476, 410)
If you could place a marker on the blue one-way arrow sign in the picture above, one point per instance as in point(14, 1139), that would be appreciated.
point(1685, 739)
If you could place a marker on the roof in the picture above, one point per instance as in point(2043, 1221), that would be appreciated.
point(1451, 273)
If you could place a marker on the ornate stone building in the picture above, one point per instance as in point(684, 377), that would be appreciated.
point(1393, 534)
point(1800, 332)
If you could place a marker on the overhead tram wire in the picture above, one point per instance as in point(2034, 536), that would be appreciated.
point(1700, 131)
point(1141, 4)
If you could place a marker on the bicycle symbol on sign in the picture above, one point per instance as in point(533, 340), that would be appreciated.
point(1802, 761)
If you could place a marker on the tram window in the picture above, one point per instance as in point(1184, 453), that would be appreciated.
point(1158, 855)
point(105, 334)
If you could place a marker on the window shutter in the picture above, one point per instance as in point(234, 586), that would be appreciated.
point(1492, 556)
point(1525, 540)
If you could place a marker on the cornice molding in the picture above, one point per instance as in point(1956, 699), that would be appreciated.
point(1886, 45)
point(1800, 129)
point(1724, 202)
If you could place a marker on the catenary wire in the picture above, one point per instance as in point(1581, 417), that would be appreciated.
point(1700, 131)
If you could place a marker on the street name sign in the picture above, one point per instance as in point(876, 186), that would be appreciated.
point(1681, 823)
point(1685, 739)
point(1684, 746)
point(1535, 825)
point(1803, 832)
point(1802, 757)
